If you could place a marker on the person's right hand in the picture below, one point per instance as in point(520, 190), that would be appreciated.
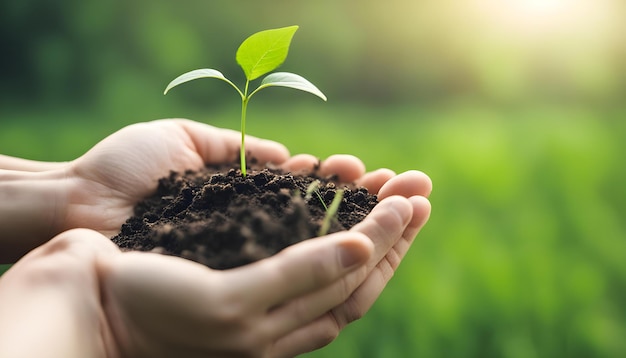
point(294, 302)
point(78, 295)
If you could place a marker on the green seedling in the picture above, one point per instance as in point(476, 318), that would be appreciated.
point(331, 210)
point(257, 55)
point(314, 189)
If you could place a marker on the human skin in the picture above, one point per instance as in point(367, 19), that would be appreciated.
point(77, 295)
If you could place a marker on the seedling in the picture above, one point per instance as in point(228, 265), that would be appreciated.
point(313, 188)
point(331, 210)
point(257, 55)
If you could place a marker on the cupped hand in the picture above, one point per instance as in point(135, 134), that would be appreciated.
point(111, 178)
point(294, 302)
point(392, 227)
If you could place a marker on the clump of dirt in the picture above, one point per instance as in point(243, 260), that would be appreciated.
point(221, 219)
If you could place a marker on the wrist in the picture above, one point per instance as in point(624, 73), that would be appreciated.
point(32, 208)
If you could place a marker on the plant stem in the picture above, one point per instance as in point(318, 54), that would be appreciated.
point(244, 107)
point(242, 155)
point(331, 212)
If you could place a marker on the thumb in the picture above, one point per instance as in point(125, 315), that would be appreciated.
point(305, 267)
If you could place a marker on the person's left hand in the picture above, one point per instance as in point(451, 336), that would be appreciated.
point(124, 168)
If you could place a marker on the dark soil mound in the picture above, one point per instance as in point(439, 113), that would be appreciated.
point(223, 220)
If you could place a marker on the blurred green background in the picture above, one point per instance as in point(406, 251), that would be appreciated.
point(515, 108)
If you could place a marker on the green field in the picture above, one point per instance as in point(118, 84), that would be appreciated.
point(524, 252)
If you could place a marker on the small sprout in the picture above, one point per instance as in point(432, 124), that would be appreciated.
point(314, 188)
point(257, 55)
point(331, 212)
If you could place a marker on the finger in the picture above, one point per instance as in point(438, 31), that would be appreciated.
point(302, 268)
point(373, 181)
point(301, 163)
point(356, 292)
point(421, 214)
point(219, 145)
point(407, 184)
point(385, 225)
point(366, 294)
point(265, 151)
point(315, 335)
point(305, 308)
point(348, 168)
point(391, 260)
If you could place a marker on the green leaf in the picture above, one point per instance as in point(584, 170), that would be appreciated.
point(195, 74)
point(290, 80)
point(264, 51)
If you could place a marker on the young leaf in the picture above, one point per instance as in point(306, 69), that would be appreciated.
point(195, 74)
point(264, 51)
point(291, 80)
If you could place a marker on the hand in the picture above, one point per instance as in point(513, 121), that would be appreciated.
point(294, 302)
point(124, 168)
point(79, 296)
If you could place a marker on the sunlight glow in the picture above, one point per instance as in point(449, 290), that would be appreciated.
point(540, 6)
point(538, 16)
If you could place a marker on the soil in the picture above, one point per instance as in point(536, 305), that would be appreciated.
point(221, 219)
